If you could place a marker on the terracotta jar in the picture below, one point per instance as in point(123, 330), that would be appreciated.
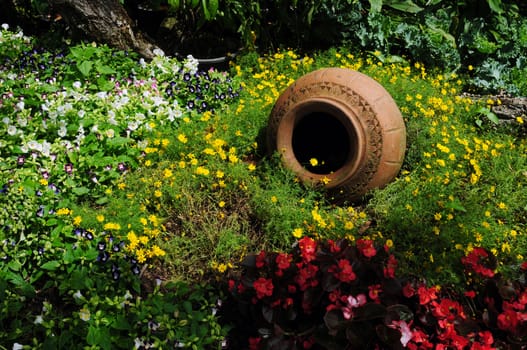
point(339, 129)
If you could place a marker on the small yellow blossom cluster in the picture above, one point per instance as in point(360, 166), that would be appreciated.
point(270, 77)
point(141, 245)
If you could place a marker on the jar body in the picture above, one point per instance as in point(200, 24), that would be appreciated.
point(340, 129)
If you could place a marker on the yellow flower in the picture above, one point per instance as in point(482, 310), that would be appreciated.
point(251, 167)
point(182, 138)
point(202, 171)
point(325, 180)
point(140, 255)
point(112, 226)
point(77, 220)
point(221, 204)
point(222, 268)
point(167, 173)
point(43, 182)
point(100, 218)
point(121, 185)
point(502, 205)
point(63, 211)
point(313, 162)
point(132, 238)
point(274, 199)
point(348, 225)
point(438, 216)
point(158, 193)
point(298, 232)
point(519, 120)
point(389, 243)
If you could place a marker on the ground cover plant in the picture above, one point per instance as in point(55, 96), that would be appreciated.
point(133, 191)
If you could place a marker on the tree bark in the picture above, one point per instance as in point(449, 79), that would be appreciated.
point(104, 21)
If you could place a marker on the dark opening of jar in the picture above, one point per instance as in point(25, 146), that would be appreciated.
point(322, 143)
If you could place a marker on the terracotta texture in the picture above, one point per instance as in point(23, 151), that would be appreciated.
point(346, 121)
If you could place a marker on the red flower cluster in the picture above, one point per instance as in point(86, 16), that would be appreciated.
point(263, 287)
point(474, 262)
point(350, 293)
point(366, 247)
point(513, 319)
point(343, 271)
point(308, 248)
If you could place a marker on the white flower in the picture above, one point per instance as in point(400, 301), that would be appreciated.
point(5, 26)
point(77, 295)
point(6, 120)
point(81, 113)
point(17, 346)
point(34, 145)
point(62, 131)
point(102, 95)
point(77, 84)
point(110, 133)
point(11, 130)
point(38, 319)
point(174, 113)
point(20, 105)
point(46, 148)
point(133, 125)
point(22, 121)
point(111, 118)
point(191, 64)
point(142, 62)
point(84, 314)
point(138, 343)
point(159, 52)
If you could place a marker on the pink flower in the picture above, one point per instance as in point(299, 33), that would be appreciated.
point(353, 303)
point(406, 333)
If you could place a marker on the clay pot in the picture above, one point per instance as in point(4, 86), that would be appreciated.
point(346, 121)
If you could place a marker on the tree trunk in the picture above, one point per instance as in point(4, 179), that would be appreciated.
point(104, 21)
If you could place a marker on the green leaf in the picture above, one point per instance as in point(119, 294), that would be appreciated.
point(102, 200)
point(456, 205)
point(85, 67)
point(496, 6)
point(121, 322)
point(50, 265)
point(105, 69)
point(404, 5)
point(205, 9)
point(213, 7)
point(99, 336)
point(174, 4)
point(375, 6)
point(489, 115)
point(117, 141)
point(79, 191)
